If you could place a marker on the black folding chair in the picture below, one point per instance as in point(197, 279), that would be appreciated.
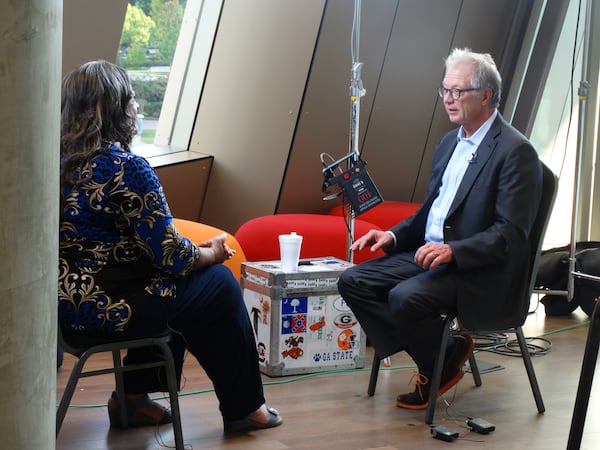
point(549, 189)
point(83, 348)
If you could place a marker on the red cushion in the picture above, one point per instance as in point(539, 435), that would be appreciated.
point(323, 235)
point(385, 215)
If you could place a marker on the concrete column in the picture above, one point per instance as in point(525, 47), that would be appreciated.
point(30, 72)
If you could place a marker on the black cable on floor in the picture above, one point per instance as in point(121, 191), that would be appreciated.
point(500, 344)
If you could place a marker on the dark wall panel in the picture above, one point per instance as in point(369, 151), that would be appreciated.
point(398, 131)
point(324, 120)
point(403, 44)
point(481, 35)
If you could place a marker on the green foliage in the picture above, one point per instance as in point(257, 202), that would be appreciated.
point(136, 56)
point(155, 25)
point(148, 136)
point(144, 5)
point(149, 93)
point(169, 15)
point(150, 34)
point(137, 28)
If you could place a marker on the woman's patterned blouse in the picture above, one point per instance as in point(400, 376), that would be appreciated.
point(117, 241)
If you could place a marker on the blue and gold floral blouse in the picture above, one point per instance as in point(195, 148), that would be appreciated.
point(117, 242)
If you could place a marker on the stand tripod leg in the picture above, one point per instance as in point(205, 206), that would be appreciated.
point(590, 357)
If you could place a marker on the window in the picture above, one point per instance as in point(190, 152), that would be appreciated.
point(555, 130)
point(165, 46)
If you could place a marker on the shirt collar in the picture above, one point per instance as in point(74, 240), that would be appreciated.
point(478, 136)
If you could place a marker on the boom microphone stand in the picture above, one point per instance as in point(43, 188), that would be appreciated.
point(353, 157)
point(355, 183)
point(356, 92)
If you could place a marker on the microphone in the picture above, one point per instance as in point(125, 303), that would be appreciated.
point(473, 159)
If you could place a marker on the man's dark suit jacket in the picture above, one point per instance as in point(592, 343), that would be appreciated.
point(487, 226)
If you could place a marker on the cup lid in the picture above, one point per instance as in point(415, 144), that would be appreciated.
point(292, 234)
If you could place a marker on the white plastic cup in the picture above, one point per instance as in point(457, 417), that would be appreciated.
point(289, 249)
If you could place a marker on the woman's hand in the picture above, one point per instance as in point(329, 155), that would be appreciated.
point(214, 251)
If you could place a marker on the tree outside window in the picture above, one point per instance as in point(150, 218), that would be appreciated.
point(148, 42)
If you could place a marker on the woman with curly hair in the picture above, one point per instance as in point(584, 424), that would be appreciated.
point(126, 272)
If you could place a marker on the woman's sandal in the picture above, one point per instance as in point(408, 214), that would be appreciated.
point(247, 424)
point(137, 412)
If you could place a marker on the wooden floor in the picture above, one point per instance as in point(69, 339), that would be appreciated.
point(333, 411)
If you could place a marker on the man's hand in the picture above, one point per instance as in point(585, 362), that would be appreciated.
point(430, 255)
point(374, 238)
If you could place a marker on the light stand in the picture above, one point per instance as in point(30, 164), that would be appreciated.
point(582, 92)
point(590, 355)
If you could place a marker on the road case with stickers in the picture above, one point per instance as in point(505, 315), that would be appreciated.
point(301, 323)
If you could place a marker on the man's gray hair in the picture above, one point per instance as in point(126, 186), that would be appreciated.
point(485, 73)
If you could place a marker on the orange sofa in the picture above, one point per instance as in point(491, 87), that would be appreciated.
point(200, 232)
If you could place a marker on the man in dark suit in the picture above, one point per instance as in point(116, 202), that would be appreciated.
point(466, 247)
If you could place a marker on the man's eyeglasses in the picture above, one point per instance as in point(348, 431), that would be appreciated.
point(454, 93)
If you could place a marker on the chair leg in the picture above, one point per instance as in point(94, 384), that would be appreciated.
point(167, 362)
point(69, 390)
point(475, 370)
point(120, 388)
point(173, 396)
point(438, 367)
point(374, 375)
point(530, 372)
